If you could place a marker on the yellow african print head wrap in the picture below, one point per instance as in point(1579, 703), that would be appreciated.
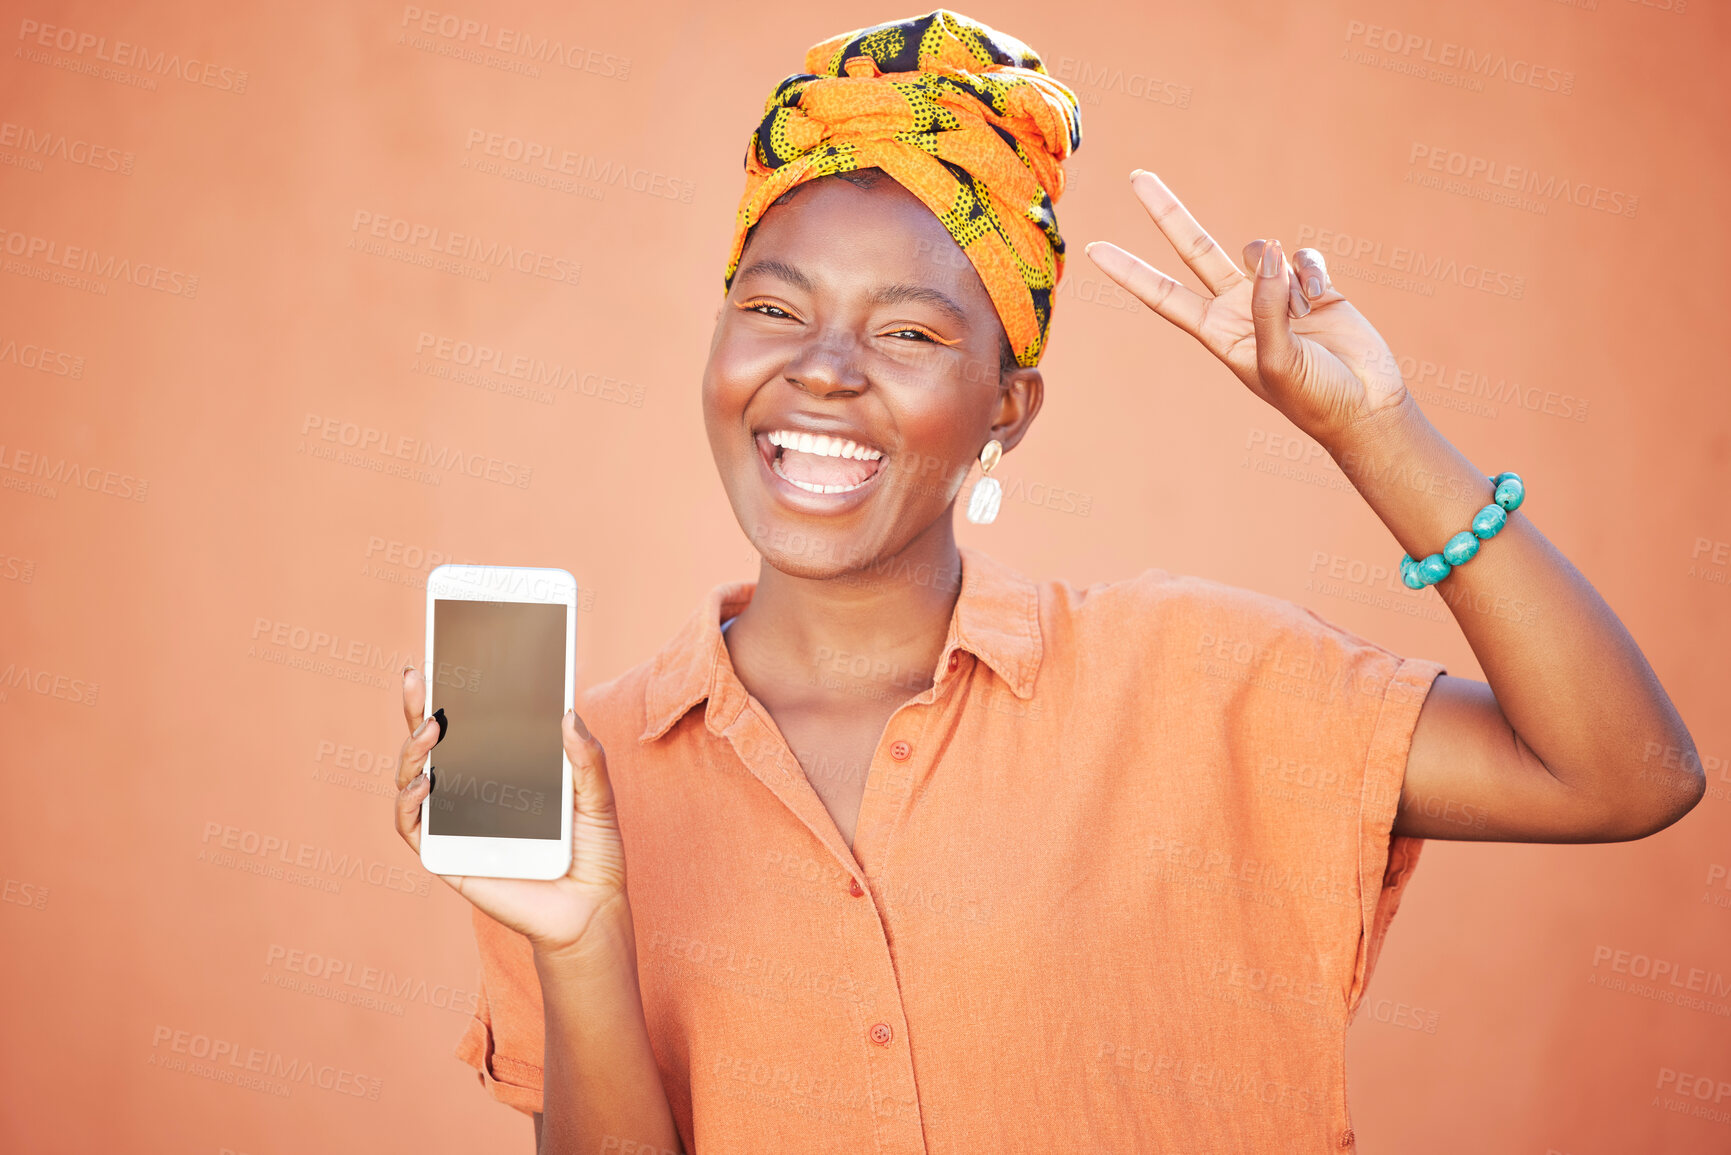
point(963, 117)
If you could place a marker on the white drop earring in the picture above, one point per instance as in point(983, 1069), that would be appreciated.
point(988, 494)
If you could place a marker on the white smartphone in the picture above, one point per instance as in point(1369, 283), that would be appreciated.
point(501, 664)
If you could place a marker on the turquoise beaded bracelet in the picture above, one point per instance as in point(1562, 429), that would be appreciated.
point(1487, 523)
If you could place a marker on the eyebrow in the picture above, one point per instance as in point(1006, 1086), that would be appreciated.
point(895, 294)
point(778, 269)
point(887, 295)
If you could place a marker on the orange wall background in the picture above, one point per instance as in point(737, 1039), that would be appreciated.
point(204, 602)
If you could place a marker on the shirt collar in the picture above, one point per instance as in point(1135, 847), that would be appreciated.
point(997, 619)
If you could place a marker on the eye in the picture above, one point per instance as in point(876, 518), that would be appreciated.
point(917, 334)
point(766, 309)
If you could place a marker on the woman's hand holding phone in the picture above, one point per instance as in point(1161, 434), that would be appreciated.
point(556, 914)
point(600, 1077)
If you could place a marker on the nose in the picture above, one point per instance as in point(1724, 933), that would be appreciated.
point(827, 364)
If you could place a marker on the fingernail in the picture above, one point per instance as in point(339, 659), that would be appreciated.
point(1270, 258)
point(1108, 257)
point(407, 670)
point(419, 729)
point(1300, 305)
point(1313, 286)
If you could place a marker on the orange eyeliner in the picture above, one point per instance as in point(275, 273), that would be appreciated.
point(932, 335)
point(940, 340)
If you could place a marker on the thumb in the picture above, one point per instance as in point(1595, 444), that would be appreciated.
point(597, 852)
point(1277, 353)
point(592, 793)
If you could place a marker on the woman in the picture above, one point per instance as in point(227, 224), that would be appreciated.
point(925, 856)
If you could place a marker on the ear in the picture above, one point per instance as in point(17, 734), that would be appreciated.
point(1020, 394)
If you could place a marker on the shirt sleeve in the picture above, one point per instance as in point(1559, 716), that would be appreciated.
point(1287, 687)
point(504, 1042)
point(1386, 861)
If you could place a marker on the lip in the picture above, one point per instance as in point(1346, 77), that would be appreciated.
point(803, 500)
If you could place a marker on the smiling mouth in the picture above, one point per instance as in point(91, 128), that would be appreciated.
point(819, 463)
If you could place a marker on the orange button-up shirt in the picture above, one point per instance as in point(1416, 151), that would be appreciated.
point(1119, 881)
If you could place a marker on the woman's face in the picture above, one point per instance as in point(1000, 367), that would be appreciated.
point(854, 378)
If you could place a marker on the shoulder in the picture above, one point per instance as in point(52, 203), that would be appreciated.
point(1185, 608)
point(1205, 640)
point(650, 696)
point(615, 710)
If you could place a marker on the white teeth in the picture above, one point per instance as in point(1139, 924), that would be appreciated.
point(822, 445)
point(808, 486)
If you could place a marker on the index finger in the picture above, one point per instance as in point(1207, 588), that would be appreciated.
point(1188, 239)
point(1149, 285)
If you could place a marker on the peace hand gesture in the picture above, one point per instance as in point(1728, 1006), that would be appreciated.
point(1284, 330)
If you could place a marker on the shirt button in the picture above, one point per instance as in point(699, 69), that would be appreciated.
point(900, 750)
point(853, 887)
point(881, 1034)
point(1347, 1138)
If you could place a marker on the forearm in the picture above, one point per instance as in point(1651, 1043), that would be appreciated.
point(1569, 679)
point(602, 1090)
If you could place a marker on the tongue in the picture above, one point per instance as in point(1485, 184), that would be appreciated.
point(814, 469)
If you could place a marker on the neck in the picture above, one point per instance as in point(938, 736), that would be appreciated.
point(896, 608)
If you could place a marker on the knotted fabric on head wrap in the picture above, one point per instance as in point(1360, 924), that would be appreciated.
point(963, 117)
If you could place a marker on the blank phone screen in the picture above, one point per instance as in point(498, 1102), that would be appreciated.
point(499, 675)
